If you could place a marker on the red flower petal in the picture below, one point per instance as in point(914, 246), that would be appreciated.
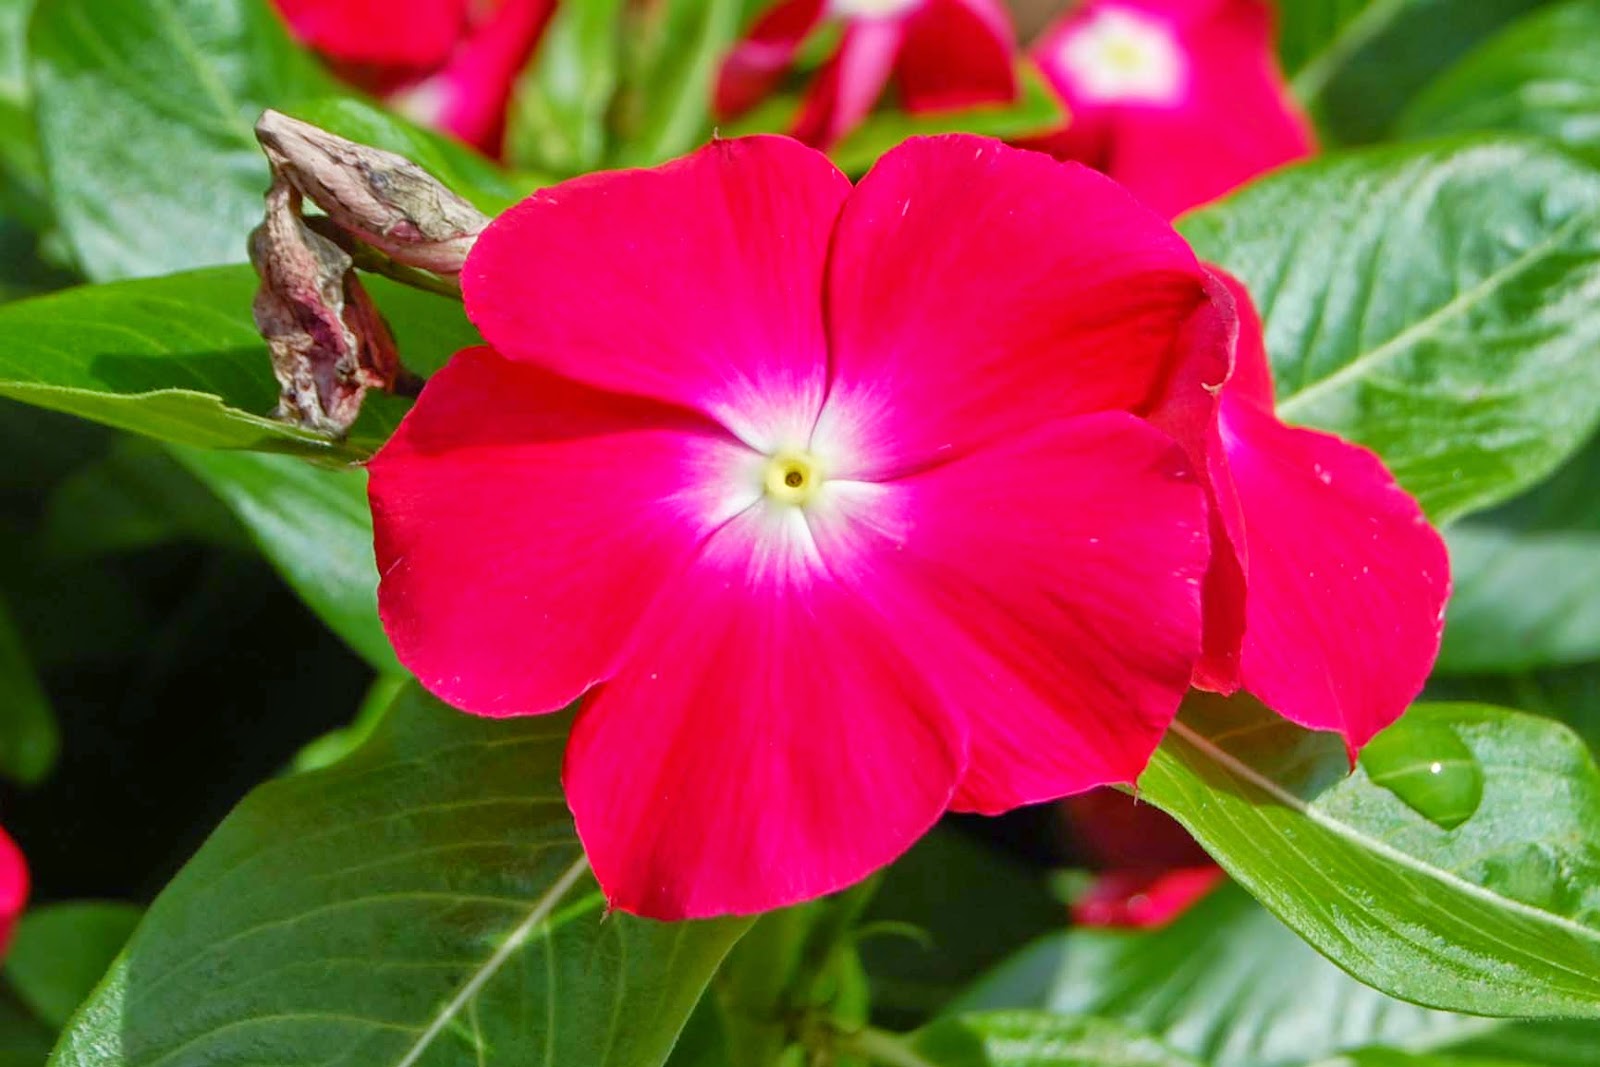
point(977, 290)
point(698, 283)
point(417, 34)
point(1347, 581)
point(1144, 899)
point(765, 743)
point(758, 62)
point(13, 887)
point(1048, 586)
point(957, 54)
point(469, 97)
point(523, 524)
point(1210, 113)
point(850, 82)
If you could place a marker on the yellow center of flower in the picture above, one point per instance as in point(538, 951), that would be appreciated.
point(792, 476)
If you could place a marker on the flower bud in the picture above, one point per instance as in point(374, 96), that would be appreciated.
point(327, 340)
point(380, 198)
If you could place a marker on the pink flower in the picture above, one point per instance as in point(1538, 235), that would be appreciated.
point(13, 887)
point(1339, 577)
point(834, 502)
point(942, 55)
point(1144, 899)
point(1179, 100)
point(1148, 869)
point(451, 64)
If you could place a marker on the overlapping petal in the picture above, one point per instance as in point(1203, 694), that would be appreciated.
point(524, 522)
point(1346, 580)
point(698, 283)
point(1072, 299)
point(1048, 586)
point(767, 741)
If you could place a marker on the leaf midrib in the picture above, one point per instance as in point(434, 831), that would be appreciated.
point(485, 972)
point(1377, 846)
point(1429, 323)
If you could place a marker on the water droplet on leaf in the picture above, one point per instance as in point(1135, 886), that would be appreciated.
point(1429, 768)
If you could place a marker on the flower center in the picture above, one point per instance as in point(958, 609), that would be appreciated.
point(792, 476)
point(1123, 56)
point(870, 9)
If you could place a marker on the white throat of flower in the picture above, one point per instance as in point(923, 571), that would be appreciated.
point(1121, 56)
point(870, 9)
point(793, 477)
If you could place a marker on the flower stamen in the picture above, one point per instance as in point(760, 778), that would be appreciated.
point(793, 477)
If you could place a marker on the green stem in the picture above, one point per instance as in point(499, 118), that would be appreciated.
point(876, 1046)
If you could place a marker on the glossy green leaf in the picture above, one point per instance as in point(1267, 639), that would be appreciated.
point(666, 106)
point(179, 359)
point(29, 740)
point(1537, 76)
point(1035, 1039)
point(336, 745)
point(1226, 983)
point(1498, 916)
point(424, 903)
point(313, 525)
point(59, 952)
point(559, 111)
point(1525, 575)
point(1434, 303)
point(145, 117)
point(1356, 63)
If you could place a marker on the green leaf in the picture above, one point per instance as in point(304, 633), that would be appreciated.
point(1226, 983)
point(29, 740)
point(1570, 695)
point(1434, 303)
point(1498, 915)
point(666, 108)
point(1036, 1039)
point(313, 525)
point(558, 113)
point(145, 120)
point(1356, 63)
point(134, 497)
point(59, 952)
point(335, 745)
point(1037, 110)
point(1524, 577)
point(1537, 76)
point(424, 903)
point(1506, 1044)
point(24, 1040)
point(22, 187)
point(179, 359)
